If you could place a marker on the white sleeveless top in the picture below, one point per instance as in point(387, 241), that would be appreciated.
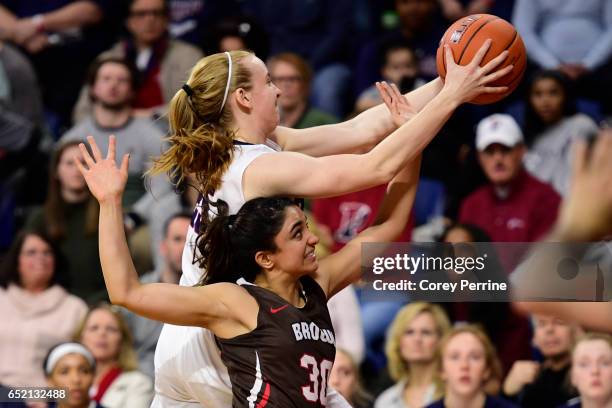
point(188, 367)
point(189, 372)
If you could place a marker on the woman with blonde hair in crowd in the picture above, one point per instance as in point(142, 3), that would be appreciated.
point(345, 379)
point(467, 363)
point(413, 339)
point(117, 381)
point(591, 371)
point(71, 366)
point(223, 122)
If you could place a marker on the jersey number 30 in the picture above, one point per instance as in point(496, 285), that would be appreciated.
point(316, 391)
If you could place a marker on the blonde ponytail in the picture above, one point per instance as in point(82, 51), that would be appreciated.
point(201, 136)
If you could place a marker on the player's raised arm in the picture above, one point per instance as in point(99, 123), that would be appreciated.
point(305, 176)
point(342, 268)
point(205, 306)
point(355, 135)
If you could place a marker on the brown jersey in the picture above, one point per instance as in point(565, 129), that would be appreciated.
point(286, 361)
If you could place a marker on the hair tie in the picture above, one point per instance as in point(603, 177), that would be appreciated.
point(229, 79)
point(230, 221)
point(187, 90)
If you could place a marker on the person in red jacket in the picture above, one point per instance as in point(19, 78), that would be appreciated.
point(514, 206)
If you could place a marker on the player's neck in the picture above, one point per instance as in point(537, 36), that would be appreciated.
point(284, 286)
point(247, 132)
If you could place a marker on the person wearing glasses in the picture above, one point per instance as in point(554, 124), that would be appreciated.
point(292, 74)
point(161, 61)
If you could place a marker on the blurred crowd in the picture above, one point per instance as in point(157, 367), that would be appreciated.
point(495, 173)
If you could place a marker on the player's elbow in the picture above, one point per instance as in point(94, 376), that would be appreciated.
point(383, 173)
point(119, 298)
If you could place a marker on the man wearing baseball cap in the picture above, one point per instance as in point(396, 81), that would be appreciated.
point(513, 206)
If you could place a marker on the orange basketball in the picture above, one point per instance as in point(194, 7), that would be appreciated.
point(465, 37)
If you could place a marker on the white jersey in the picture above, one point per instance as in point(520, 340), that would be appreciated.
point(188, 367)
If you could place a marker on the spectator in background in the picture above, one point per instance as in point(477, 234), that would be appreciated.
point(318, 31)
point(552, 125)
point(111, 88)
point(400, 67)
point(237, 33)
point(145, 331)
point(545, 385)
point(453, 10)
point(19, 88)
point(293, 76)
point(117, 383)
point(22, 162)
point(71, 366)
point(348, 325)
point(421, 26)
point(36, 311)
point(61, 37)
point(70, 218)
point(468, 364)
point(575, 37)
point(412, 342)
point(162, 63)
point(508, 330)
point(190, 20)
point(591, 371)
point(514, 206)
point(344, 377)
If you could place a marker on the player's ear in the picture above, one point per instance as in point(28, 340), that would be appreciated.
point(264, 259)
point(243, 98)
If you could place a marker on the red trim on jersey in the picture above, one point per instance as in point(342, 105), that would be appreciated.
point(264, 398)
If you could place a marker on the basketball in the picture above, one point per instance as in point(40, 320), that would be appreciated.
point(465, 37)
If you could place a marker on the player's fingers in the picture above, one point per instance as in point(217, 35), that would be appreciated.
point(482, 51)
point(497, 74)
point(88, 160)
point(125, 163)
point(112, 148)
point(401, 99)
point(450, 59)
point(383, 94)
point(385, 86)
point(94, 148)
point(397, 93)
point(81, 168)
point(494, 63)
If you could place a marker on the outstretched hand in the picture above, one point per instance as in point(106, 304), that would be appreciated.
point(468, 81)
point(105, 181)
point(401, 111)
point(586, 211)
